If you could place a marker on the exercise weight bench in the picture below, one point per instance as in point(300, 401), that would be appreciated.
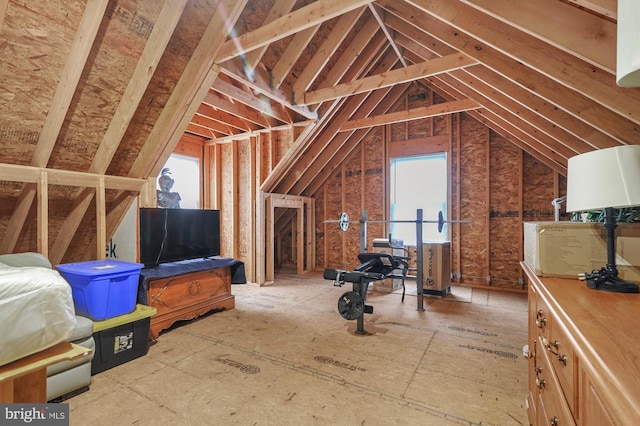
point(373, 267)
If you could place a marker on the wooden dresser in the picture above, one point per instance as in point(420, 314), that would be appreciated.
point(187, 296)
point(584, 346)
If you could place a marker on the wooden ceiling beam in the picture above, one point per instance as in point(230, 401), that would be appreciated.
point(288, 59)
point(538, 127)
point(137, 86)
point(316, 157)
point(270, 110)
point(353, 140)
point(199, 130)
point(539, 140)
point(324, 53)
point(577, 32)
point(555, 64)
point(604, 8)
point(522, 102)
point(279, 9)
point(259, 81)
point(238, 113)
point(354, 61)
point(222, 117)
point(390, 78)
point(299, 20)
point(80, 50)
point(214, 126)
point(357, 57)
point(498, 124)
point(560, 96)
point(188, 93)
point(378, 15)
point(411, 114)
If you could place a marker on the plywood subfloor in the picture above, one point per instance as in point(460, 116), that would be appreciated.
point(284, 356)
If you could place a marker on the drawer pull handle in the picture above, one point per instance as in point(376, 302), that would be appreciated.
point(540, 383)
point(541, 322)
point(555, 344)
point(553, 421)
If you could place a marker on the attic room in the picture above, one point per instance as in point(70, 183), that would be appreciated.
point(465, 141)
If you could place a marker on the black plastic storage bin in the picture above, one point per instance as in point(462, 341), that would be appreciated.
point(121, 339)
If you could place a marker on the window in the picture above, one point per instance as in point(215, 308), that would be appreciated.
point(418, 183)
point(185, 172)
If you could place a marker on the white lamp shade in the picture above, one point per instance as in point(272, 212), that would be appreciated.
point(628, 44)
point(604, 178)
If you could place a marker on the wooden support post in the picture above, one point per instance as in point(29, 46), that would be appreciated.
point(419, 249)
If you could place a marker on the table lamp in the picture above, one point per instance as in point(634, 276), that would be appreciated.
point(606, 179)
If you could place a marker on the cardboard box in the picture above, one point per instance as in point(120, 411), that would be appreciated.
point(121, 339)
point(567, 249)
point(436, 268)
point(394, 248)
point(102, 289)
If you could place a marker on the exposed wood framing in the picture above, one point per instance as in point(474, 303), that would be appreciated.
point(303, 207)
point(302, 19)
point(390, 78)
point(413, 114)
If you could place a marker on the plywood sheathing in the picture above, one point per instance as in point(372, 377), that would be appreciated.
point(36, 43)
point(538, 192)
point(187, 35)
point(353, 200)
point(505, 212)
point(98, 96)
point(474, 145)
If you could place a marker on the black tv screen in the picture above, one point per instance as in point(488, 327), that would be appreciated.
point(171, 235)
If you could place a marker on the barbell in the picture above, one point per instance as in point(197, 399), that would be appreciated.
point(344, 221)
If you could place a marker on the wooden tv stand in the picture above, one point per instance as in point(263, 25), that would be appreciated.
point(187, 296)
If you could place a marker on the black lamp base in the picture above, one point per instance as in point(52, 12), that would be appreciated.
point(607, 279)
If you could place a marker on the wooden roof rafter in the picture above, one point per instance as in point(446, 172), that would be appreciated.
point(81, 48)
point(301, 19)
point(522, 101)
point(354, 61)
point(352, 141)
point(314, 159)
point(324, 53)
point(390, 78)
point(234, 114)
point(568, 100)
point(411, 114)
point(554, 65)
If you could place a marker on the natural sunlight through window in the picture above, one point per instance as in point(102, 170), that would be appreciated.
point(185, 172)
point(418, 183)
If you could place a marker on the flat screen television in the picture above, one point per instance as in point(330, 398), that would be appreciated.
point(171, 235)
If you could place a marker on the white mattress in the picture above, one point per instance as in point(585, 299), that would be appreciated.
point(36, 311)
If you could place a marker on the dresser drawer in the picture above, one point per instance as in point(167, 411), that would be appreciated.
point(553, 406)
point(562, 356)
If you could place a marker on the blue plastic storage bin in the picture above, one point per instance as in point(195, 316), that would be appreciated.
point(102, 289)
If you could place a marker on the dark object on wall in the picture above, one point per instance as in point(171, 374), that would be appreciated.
point(171, 235)
point(166, 198)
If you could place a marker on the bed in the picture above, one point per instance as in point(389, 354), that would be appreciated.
point(36, 306)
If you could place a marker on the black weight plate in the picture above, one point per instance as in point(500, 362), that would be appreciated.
point(350, 305)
